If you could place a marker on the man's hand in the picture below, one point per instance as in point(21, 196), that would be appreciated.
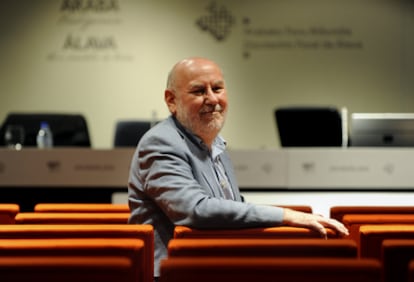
point(313, 221)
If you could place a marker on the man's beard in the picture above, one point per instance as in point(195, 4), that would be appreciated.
point(208, 121)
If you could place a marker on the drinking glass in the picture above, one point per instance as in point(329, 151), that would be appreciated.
point(14, 137)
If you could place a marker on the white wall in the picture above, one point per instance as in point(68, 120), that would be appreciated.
point(264, 58)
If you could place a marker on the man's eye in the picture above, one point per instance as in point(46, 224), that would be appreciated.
point(217, 89)
point(200, 91)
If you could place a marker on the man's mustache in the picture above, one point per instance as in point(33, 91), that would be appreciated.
point(211, 109)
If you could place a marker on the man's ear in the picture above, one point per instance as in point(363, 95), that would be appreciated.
point(169, 97)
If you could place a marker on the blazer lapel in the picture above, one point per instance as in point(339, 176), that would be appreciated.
point(209, 180)
point(231, 176)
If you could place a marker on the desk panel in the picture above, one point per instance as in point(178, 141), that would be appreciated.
point(318, 177)
point(69, 167)
point(323, 168)
point(68, 175)
point(352, 168)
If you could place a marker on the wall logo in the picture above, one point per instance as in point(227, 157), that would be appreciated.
point(218, 22)
point(89, 30)
point(89, 5)
point(84, 43)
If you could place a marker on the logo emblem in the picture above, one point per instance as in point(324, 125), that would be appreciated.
point(53, 166)
point(308, 167)
point(218, 21)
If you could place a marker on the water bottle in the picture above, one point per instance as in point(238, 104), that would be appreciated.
point(44, 137)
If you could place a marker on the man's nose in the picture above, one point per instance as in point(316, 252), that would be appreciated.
point(211, 97)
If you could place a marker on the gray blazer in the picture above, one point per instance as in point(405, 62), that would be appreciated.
point(172, 182)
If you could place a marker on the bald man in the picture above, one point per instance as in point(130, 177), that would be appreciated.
point(181, 173)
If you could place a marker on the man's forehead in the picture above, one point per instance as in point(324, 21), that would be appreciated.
point(199, 83)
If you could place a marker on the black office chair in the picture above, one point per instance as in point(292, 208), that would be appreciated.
point(309, 126)
point(129, 132)
point(68, 129)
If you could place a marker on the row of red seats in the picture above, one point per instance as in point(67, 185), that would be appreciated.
point(74, 242)
point(368, 253)
point(390, 246)
point(50, 259)
point(57, 212)
point(277, 232)
point(9, 211)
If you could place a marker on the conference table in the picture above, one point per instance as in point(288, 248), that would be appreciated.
point(319, 177)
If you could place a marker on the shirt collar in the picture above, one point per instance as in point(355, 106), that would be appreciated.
point(218, 146)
